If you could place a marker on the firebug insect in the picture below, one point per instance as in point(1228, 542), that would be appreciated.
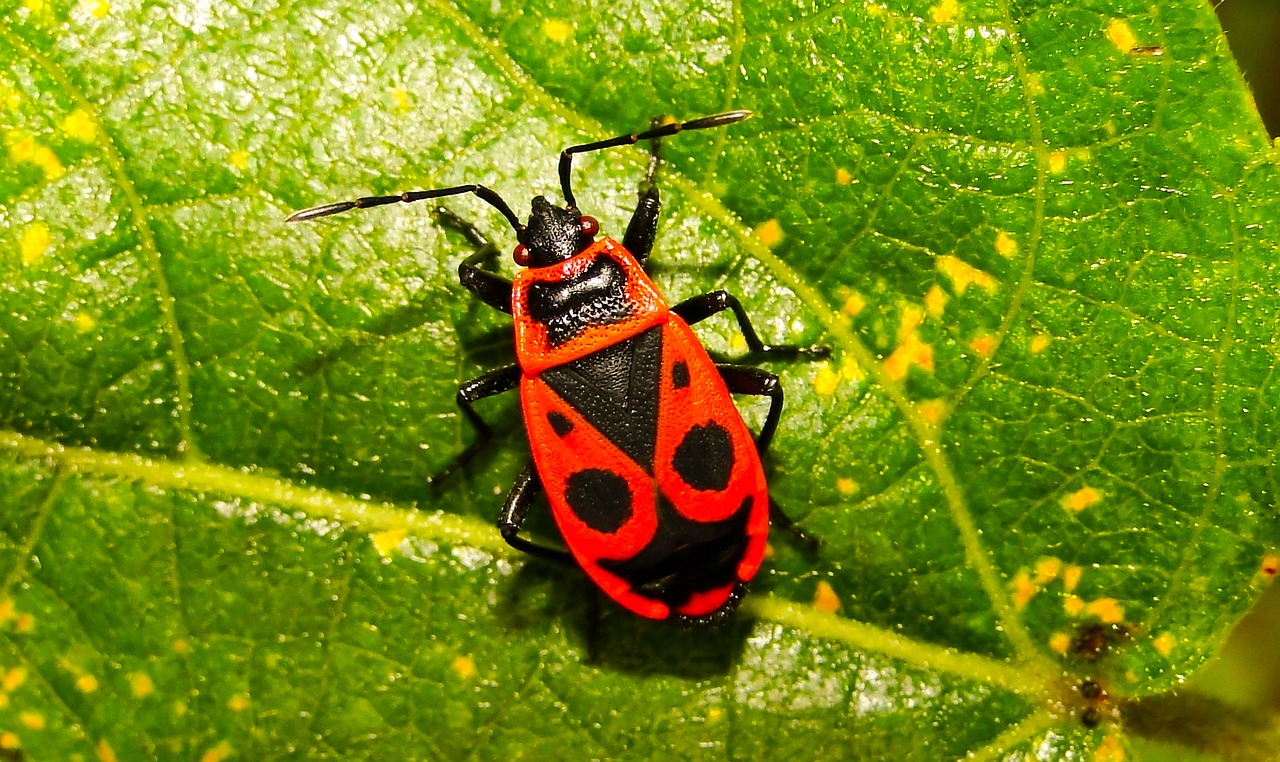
point(653, 477)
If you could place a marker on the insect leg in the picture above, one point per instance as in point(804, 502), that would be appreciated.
point(742, 379)
point(746, 380)
point(492, 289)
point(503, 379)
point(514, 511)
point(700, 308)
point(643, 228)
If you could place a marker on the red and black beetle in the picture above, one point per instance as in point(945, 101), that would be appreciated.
point(653, 478)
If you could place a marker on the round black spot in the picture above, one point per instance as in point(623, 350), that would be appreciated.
point(704, 458)
point(559, 424)
point(601, 498)
point(680, 374)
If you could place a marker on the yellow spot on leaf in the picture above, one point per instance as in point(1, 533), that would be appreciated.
point(1060, 642)
point(853, 304)
point(962, 275)
point(1270, 566)
point(1057, 162)
point(141, 685)
point(1039, 343)
point(1164, 643)
point(984, 346)
point(557, 30)
point(935, 302)
point(843, 177)
point(86, 683)
point(825, 598)
point(769, 233)
point(238, 159)
point(1109, 750)
point(846, 486)
point(910, 350)
point(1006, 245)
point(1071, 577)
point(1121, 35)
point(79, 125)
point(13, 679)
point(1082, 498)
point(399, 99)
point(1047, 570)
point(182, 646)
point(238, 703)
point(10, 740)
point(4, 700)
point(24, 148)
point(1023, 589)
point(1035, 85)
point(715, 714)
point(850, 370)
point(1106, 610)
point(35, 6)
point(26, 623)
point(826, 381)
point(945, 11)
point(386, 541)
point(33, 720)
point(7, 609)
point(104, 752)
point(220, 751)
point(34, 242)
point(932, 411)
point(97, 8)
point(84, 322)
point(1073, 605)
point(464, 667)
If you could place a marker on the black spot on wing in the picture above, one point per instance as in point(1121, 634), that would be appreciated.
point(704, 458)
point(680, 374)
point(559, 424)
point(601, 498)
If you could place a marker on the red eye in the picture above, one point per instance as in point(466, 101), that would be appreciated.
point(521, 256)
point(588, 225)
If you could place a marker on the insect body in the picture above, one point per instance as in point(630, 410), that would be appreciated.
point(653, 478)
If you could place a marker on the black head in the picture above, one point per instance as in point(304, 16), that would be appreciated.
point(554, 234)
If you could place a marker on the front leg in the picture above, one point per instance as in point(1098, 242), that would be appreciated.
point(493, 289)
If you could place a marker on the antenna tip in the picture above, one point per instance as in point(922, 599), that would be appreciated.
point(320, 211)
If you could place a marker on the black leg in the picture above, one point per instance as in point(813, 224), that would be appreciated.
point(514, 512)
point(742, 379)
point(492, 289)
point(808, 543)
point(503, 379)
point(643, 228)
point(700, 308)
point(745, 380)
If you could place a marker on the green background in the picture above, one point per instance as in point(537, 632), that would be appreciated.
point(1039, 237)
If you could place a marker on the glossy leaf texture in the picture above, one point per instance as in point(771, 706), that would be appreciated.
point(1038, 235)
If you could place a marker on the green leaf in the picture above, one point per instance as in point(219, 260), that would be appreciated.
point(1039, 237)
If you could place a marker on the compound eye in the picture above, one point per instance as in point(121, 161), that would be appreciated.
point(521, 255)
point(588, 225)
